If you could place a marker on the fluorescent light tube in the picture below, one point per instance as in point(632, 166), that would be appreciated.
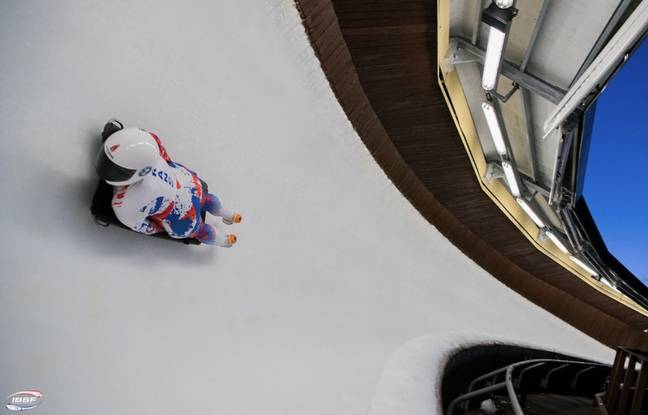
point(584, 266)
point(494, 126)
point(552, 236)
point(494, 50)
point(531, 213)
point(608, 283)
point(510, 178)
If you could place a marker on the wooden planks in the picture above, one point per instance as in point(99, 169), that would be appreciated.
point(627, 386)
point(380, 59)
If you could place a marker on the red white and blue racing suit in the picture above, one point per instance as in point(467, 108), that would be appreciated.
point(169, 198)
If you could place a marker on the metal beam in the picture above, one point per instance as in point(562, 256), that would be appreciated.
point(534, 34)
point(527, 81)
point(603, 38)
point(518, 382)
point(602, 66)
point(544, 383)
point(515, 404)
point(571, 228)
point(476, 25)
point(528, 120)
point(526, 104)
point(574, 382)
point(560, 163)
point(494, 171)
point(534, 185)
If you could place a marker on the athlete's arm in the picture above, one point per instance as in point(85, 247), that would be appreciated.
point(133, 214)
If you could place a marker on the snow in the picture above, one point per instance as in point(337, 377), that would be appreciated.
point(334, 269)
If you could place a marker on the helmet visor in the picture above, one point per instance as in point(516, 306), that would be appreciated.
point(109, 171)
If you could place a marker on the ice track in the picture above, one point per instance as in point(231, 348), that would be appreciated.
point(334, 269)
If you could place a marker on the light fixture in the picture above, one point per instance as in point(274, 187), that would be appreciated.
point(511, 179)
point(584, 266)
point(494, 126)
point(530, 213)
point(493, 58)
point(552, 236)
point(607, 282)
point(498, 20)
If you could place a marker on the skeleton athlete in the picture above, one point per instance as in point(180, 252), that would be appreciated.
point(154, 194)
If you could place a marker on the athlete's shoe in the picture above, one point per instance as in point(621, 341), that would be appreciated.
point(224, 241)
point(230, 239)
point(231, 218)
point(111, 127)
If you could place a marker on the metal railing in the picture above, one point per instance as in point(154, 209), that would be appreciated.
point(511, 384)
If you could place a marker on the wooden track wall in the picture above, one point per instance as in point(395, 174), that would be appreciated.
point(380, 59)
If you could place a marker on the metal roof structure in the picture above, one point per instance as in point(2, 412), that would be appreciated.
point(530, 126)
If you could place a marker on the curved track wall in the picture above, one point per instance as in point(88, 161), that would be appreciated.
point(334, 269)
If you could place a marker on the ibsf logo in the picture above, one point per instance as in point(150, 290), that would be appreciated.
point(24, 400)
point(145, 171)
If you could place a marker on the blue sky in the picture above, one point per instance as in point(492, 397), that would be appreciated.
point(615, 186)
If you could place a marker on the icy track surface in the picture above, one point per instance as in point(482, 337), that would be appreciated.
point(334, 269)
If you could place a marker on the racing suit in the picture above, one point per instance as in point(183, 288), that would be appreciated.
point(169, 198)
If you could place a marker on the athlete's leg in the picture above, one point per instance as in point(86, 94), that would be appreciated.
point(214, 206)
point(208, 235)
